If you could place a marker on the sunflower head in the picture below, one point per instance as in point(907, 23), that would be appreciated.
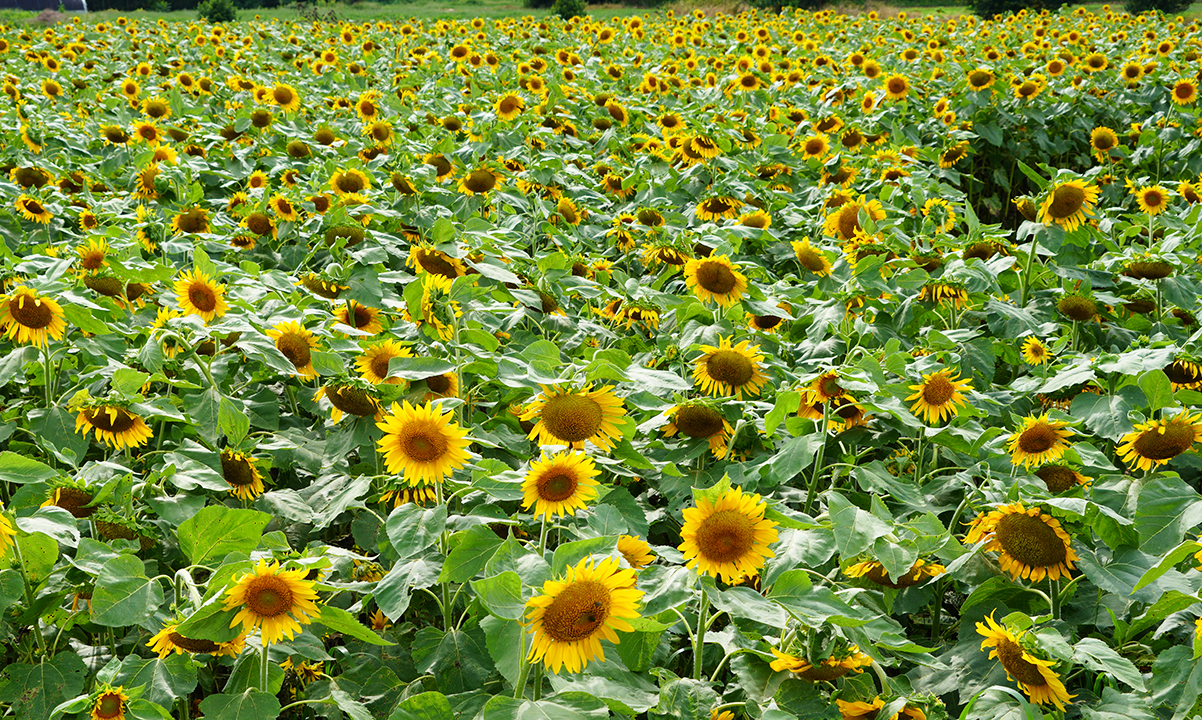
point(1032, 544)
point(727, 536)
point(1018, 655)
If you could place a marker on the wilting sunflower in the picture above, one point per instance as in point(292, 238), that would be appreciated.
point(844, 223)
point(436, 265)
point(373, 363)
point(1068, 204)
point(573, 417)
point(422, 443)
point(1039, 440)
point(110, 703)
point(33, 209)
point(75, 499)
point(1157, 441)
point(479, 182)
point(874, 571)
point(1059, 477)
point(1152, 200)
point(698, 420)
point(715, 278)
point(1077, 307)
point(635, 551)
point(718, 207)
point(28, 318)
point(349, 182)
point(297, 344)
point(198, 295)
point(114, 426)
point(276, 601)
point(830, 668)
point(1034, 351)
point(168, 641)
point(728, 369)
point(727, 538)
point(366, 319)
point(1032, 545)
point(812, 258)
point(939, 395)
point(1184, 373)
point(400, 494)
point(569, 617)
point(560, 484)
point(860, 710)
point(239, 470)
point(1034, 676)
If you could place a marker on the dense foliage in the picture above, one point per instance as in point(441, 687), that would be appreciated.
point(663, 367)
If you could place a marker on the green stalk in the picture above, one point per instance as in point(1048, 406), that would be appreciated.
point(1025, 280)
point(444, 542)
point(1054, 597)
point(918, 457)
point(37, 630)
point(264, 675)
point(699, 638)
point(542, 538)
point(812, 494)
point(937, 612)
point(47, 381)
point(519, 690)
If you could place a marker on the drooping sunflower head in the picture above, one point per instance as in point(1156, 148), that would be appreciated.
point(1159, 440)
point(811, 258)
point(297, 344)
point(1039, 440)
point(169, 641)
point(1078, 307)
point(842, 660)
point(1059, 477)
point(113, 424)
point(574, 417)
point(635, 551)
point(559, 484)
point(243, 476)
point(373, 363)
point(728, 537)
point(874, 571)
point(700, 420)
point(1032, 544)
point(1033, 674)
point(29, 318)
point(844, 222)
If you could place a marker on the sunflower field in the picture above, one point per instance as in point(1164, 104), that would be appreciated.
point(759, 366)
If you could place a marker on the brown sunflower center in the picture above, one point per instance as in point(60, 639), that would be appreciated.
point(698, 421)
point(1058, 478)
point(849, 221)
point(193, 221)
point(767, 322)
point(296, 348)
point(424, 443)
point(73, 501)
point(350, 183)
point(1077, 308)
point(938, 390)
point(282, 95)
point(1152, 270)
point(379, 364)
point(577, 611)
point(557, 487)
point(1175, 439)
point(1153, 198)
point(979, 78)
point(1038, 438)
point(440, 384)
point(351, 400)
point(30, 312)
point(716, 277)
point(433, 261)
point(237, 470)
point(725, 536)
point(108, 706)
point(480, 181)
point(1011, 655)
point(113, 420)
point(33, 207)
point(1183, 373)
point(1104, 141)
point(1030, 540)
point(730, 367)
point(897, 85)
point(824, 672)
point(829, 385)
point(1184, 90)
point(509, 104)
point(259, 223)
point(268, 596)
point(811, 259)
point(572, 418)
point(193, 645)
point(362, 317)
point(1067, 201)
point(202, 297)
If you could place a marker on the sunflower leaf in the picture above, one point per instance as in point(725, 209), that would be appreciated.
point(340, 620)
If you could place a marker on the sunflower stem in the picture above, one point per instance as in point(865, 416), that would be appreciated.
point(519, 689)
point(811, 495)
point(699, 638)
point(937, 612)
point(1054, 597)
point(1025, 280)
point(918, 457)
point(537, 690)
point(443, 542)
point(48, 384)
point(264, 675)
point(542, 538)
point(37, 629)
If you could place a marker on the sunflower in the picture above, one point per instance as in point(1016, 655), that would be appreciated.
point(1185, 92)
point(349, 182)
point(815, 146)
point(422, 443)
point(366, 319)
point(715, 278)
point(1068, 204)
point(276, 601)
point(560, 484)
point(33, 209)
point(812, 258)
point(198, 295)
point(573, 417)
point(980, 79)
point(283, 207)
point(438, 266)
point(939, 395)
point(479, 182)
point(1153, 199)
point(110, 703)
point(699, 420)
point(728, 537)
point(830, 668)
point(728, 369)
point(1184, 373)
point(569, 617)
point(352, 397)
point(1032, 545)
point(73, 499)
point(896, 87)
point(1034, 351)
point(114, 425)
point(297, 344)
point(168, 641)
point(635, 551)
point(509, 106)
point(1034, 676)
point(718, 207)
point(1060, 478)
point(1038, 440)
point(844, 223)
point(444, 385)
point(373, 363)
point(401, 494)
point(28, 318)
point(286, 97)
point(240, 471)
point(1078, 308)
point(860, 710)
point(1103, 140)
point(874, 571)
point(1157, 441)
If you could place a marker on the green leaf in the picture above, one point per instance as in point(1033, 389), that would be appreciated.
point(457, 658)
point(1097, 655)
point(502, 595)
point(621, 690)
point(813, 606)
point(354, 709)
point(413, 529)
point(19, 469)
point(426, 706)
point(664, 587)
point(34, 690)
point(637, 648)
point(127, 381)
point(249, 705)
point(1117, 706)
point(393, 591)
point(217, 530)
point(234, 423)
point(40, 552)
point(162, 681)
point(504, 639)
point(855, 529)
point(1157, 389)
point(794, 456)
point(561, 706)
point(787, 403)
point(340, 620)
point(571, 553)
point(1167, 508)
point(476, 545)
point(123, 594)
point(203, 410)
point(53, 521)
point(418, 368)
point(11, 588)
point(686, 699)
point(1168, 562)
point(211, 622)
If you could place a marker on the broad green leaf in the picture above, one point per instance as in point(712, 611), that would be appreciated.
point(53, 521)
point(561, 706)
point(413, 529)
point(40, 552)
point(35, 690)
point(687, 699)
point(392, 593)
point(1168, 562)
point(1167, 509)
point(457, 658)
point(123, 594)
point(502, 595)
point(476, 546)
point(855, 529)
point(1157, 389)
point(1095, 654)
point(637, 648)
point(571, 554)
point(163, 681)
point(217, 530)
point(418, 368)
point(19, 469)
point(425, 706)
point(340, 620)
point(248, 705)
